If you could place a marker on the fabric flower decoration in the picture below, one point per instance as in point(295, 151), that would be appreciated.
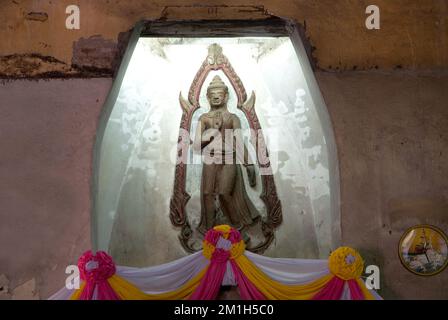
point(346, 263)
point(105, 266)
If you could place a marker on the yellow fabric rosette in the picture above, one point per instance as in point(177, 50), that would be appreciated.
point(237, 249)
point(207, 249)
point(346, 263)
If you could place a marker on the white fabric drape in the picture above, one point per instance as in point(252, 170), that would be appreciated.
point(296, 271)
point(290, 271)
point(157, 279)
point(171, 276)
point(165, 277)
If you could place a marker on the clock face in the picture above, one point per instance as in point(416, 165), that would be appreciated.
point(423, 250)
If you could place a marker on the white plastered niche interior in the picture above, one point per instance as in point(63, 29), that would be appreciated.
point(137, 152)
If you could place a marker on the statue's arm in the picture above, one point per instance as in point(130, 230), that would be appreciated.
point(201, 140)
point(198, 136)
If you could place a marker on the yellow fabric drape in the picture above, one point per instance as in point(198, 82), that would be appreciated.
point(339, 267)
point(207, 249)
point(271, 289)
point(127, 291)
point(75, 295)
point(237, 249)
point(274, 290)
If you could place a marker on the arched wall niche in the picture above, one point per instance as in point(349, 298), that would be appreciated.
point(132, 174)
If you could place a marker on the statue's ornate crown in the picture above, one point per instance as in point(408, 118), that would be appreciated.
point(217, 83)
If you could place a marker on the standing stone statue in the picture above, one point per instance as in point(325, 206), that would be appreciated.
point(219, 140)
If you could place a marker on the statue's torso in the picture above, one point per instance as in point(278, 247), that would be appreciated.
point(220, 120)
point(220, 178)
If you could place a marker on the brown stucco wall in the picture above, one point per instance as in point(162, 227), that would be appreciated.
point(391, 132)
point(47, 131)
point(390, 124)
point(413, 35)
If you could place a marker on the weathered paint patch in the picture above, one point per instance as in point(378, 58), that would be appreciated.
point(37, 16)
point(36, 66)
point(30, 65)
point(4, 288)
point(93, 57)
point(26, 291)
point(95, 53)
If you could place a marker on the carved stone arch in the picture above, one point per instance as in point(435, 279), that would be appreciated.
point(216, 60)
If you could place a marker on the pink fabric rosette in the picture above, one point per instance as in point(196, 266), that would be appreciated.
point(212, 236)
point(234, 236)
point(95, 276)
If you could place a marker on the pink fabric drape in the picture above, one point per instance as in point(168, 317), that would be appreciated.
point(355, 290)
point(210, 284)
point(332, 291)
point(247, 290)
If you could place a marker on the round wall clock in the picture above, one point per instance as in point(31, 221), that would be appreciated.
point(423, 250)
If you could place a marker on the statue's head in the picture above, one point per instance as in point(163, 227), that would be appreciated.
point(217, 92)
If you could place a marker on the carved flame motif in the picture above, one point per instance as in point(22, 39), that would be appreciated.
point(216, 60)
